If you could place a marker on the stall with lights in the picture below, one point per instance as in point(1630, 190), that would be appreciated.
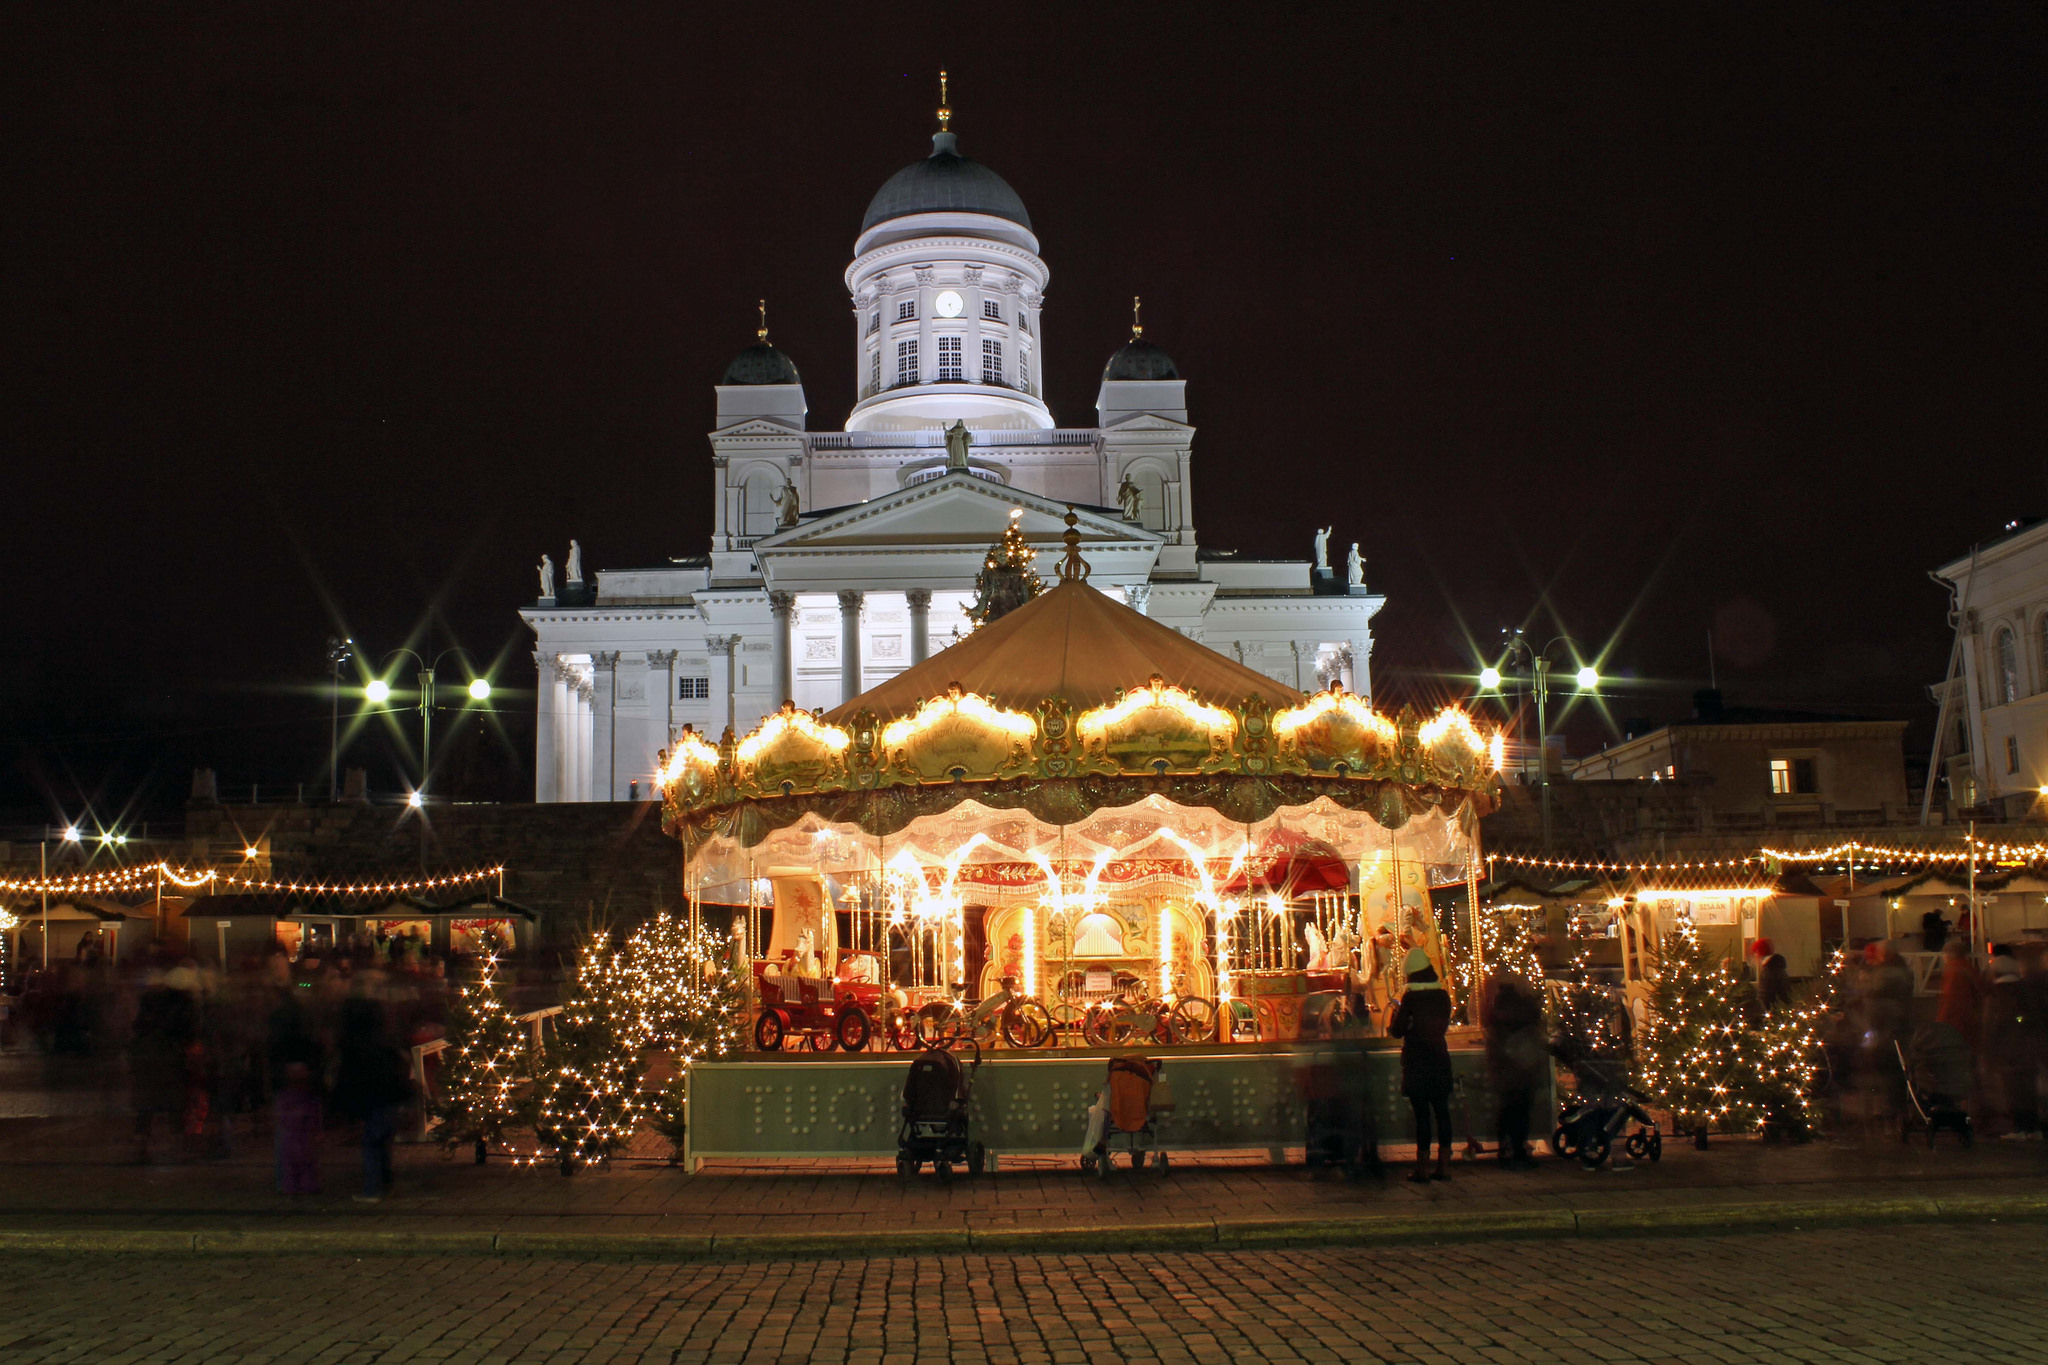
point(1079, 811)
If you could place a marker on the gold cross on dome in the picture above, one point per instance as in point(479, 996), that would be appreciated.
point(945, 106)
point(1137, 327)
point(762, 330)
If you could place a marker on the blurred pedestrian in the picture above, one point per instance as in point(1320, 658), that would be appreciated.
point(371, 1085)
point(2012, 1045)
point(1962, 994)
point(1933, 930)
point(166, 1030)
point(1420, 1021)
point(298, 1122)
point(1516, 1055)
point(1773, 984)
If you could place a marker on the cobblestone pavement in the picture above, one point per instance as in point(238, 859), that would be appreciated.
point(1907, 1295)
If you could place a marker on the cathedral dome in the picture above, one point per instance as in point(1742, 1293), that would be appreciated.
point(1140, 359)
point(761, 364)
point(945, 182)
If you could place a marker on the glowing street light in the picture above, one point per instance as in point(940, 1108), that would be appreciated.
point(1539, 664)
point(1589, 678)
point(1489, 678)
point(416, 799)
point(378, 691)
point(480, 688)
point(71, 834)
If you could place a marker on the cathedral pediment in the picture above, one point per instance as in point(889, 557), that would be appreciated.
point(1150, 421)
point(756, 426)
point(956, 510)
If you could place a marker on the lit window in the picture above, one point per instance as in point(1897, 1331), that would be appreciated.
point(991, 309)
point(906, 362)
point(906, 311)
point(693, 689)
point(1794, 777)
point(2012, 754)
point(991, 361)
point(1781, 777)
point(949, 359)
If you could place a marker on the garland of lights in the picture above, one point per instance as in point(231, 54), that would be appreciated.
point(1974, 850)
point(131, 878)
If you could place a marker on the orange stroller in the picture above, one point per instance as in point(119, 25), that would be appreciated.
point(1133, 1104)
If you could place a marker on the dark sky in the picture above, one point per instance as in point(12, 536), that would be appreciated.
point(1672, 317)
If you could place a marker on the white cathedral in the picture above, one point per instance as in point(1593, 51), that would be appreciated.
point(838, 558)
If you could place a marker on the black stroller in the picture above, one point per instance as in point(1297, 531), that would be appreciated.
point(1590, 1121)
point(934, 1130)
point(1938, 1072)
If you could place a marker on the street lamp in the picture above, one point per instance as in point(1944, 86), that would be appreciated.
point(379, 691)
point(1538, 664)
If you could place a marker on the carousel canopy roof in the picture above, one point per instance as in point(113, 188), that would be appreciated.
point(1072, 642)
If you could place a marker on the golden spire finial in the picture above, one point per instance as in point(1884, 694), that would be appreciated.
point(945, 106)
point(1073, 568)
point(1137, 327)
point(762, 330)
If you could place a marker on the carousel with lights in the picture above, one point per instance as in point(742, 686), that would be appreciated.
point(1077, 828)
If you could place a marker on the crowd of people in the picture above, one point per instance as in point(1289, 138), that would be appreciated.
point(205, 1060)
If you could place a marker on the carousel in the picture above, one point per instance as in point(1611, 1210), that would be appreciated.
point(1077, 830)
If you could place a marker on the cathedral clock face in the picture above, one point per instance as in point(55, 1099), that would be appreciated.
point(949, 304)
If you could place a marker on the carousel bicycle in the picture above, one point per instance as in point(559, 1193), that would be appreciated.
point(1137, 1019)
point(1020, 1020)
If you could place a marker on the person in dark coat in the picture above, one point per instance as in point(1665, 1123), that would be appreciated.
point(1773, 984)
point(1420, 1022)
point(1516, 1053)
point(159, 1055)
point(371, 1085)
point(2012, 1050)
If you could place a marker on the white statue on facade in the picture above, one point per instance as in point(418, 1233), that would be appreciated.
point(1354, 567)
point(958, 439)
point(784, 499)
point(1131, 498)
point(575, 562)
point(547, 577)
point(1323, 547)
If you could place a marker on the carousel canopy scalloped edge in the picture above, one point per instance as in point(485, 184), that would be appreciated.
point(1334, 743)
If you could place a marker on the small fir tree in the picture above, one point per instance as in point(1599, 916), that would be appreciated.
point(1701, 1057)
point(588, 1089)
point(1584, 1019)
point(1006, 581)
point(685, 997)
point(1506, 943)
point(487, 1072)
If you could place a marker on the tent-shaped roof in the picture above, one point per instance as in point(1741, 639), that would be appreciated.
point(1072, 642)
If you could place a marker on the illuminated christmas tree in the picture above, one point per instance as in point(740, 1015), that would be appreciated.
point(1505, 942)
point(486, 1066)
point(589, 1084)
point(1006, 581)
point(683, 996)
point(1701, 1057)
point(1585, 1021)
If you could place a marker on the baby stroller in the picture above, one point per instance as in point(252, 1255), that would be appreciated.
point(1332, 1081)
point(1938, 1073)
point(1590, 1121)
point(934, 1129)
point(1133, 1101)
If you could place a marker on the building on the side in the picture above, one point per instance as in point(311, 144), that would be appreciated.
point(1994, 701)
point(839, 558)
point(1751, 767)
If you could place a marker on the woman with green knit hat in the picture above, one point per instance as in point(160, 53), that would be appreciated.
point(1420, 1022)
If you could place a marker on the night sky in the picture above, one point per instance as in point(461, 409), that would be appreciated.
point(1636, 322)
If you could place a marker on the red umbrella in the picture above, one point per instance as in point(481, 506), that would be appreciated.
point(1291, 864)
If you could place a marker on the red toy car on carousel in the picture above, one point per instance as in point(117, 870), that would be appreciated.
point(841, 1010)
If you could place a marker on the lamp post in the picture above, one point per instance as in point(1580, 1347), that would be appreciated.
point(380, 691)
point(70, 835)
point(339, 652)
point(1538, 664)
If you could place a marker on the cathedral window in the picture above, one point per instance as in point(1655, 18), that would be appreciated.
point(693, 689)
point(1023, 366)
point(906, 311)
point(875, 369)
point(949, 359)
point(1023, 321)
point(991, 361)
point(906, 362)
point(874, 322)
point(991, 309)
point(2008, 668)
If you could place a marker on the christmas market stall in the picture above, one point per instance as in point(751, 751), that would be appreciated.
point(1076, 831)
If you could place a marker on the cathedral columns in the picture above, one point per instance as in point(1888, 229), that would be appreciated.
point(605, 714)
point(544, 736)
point(661, 672)
point(920, 600)
point(850, 602)
point(723, 682)
point(781, 608)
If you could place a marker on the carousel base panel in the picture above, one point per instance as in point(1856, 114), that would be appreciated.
point(803, 1106)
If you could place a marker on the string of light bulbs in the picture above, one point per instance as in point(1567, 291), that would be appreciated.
point(130, 879)
point(1974, 849)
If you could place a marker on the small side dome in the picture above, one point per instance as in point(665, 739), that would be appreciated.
point(1140, 359)
point(761, 364)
